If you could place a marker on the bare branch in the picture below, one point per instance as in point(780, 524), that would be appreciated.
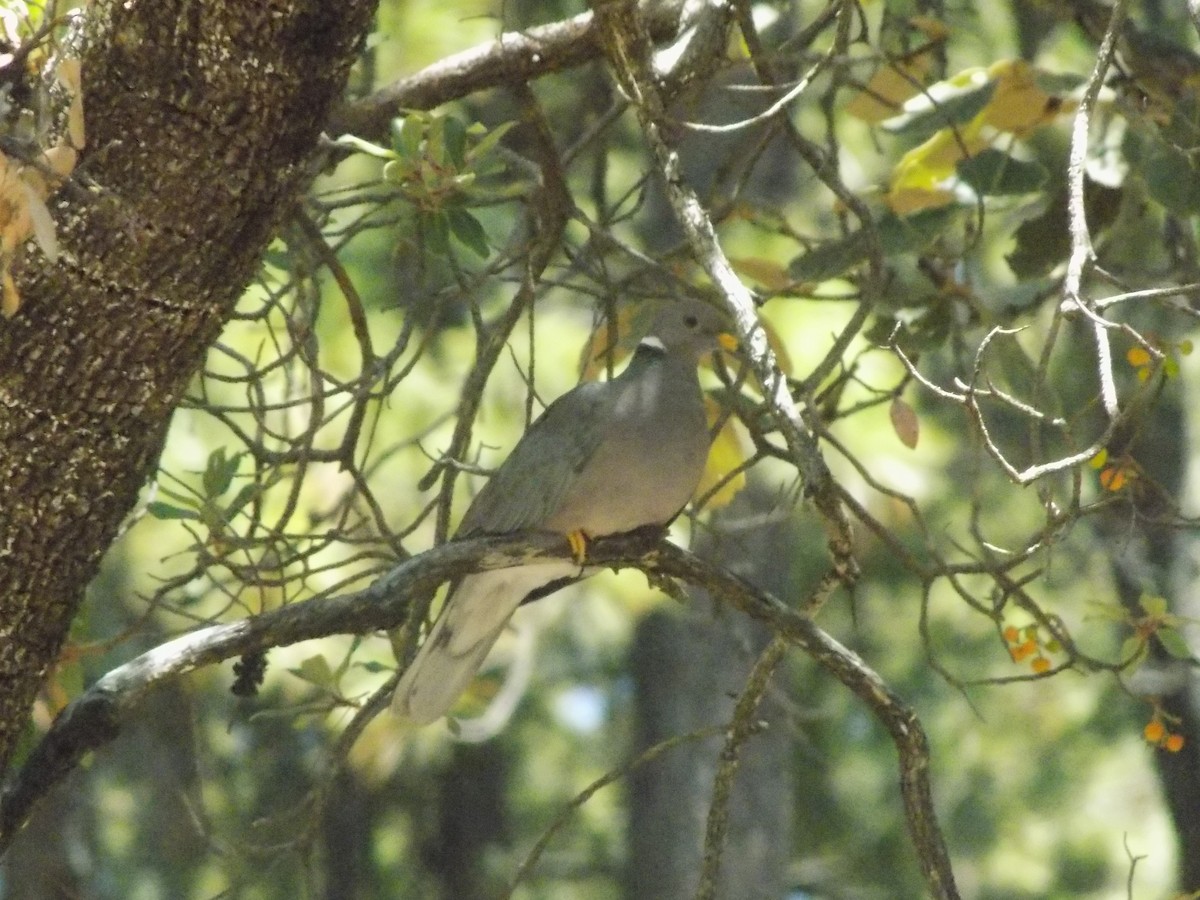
point(1081, 240)
point(515, 56)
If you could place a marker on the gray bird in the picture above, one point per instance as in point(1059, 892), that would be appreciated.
point(604, 458)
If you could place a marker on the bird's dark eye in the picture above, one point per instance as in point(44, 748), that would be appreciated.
point(690, 321)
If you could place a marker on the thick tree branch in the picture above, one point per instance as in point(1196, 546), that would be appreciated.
point(515, 56)
point(95, 718)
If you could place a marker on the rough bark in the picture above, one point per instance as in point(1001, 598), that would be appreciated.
point(200, 119)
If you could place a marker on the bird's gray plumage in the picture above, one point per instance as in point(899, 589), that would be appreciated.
point(602, 459)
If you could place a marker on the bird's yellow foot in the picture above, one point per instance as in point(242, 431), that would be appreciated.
point(578, 542)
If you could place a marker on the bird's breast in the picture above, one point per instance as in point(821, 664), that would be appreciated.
point(645, 469)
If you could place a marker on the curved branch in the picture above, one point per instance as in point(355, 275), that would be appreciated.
point(96, 717)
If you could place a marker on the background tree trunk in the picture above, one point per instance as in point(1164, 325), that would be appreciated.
point(200, 119)
point(688, 670)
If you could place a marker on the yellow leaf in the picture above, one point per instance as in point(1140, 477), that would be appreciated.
point(921, 178)
point(1018, 104)
point(888, 88)
point(1098, 461)
point(767, 272)
point(729, 451)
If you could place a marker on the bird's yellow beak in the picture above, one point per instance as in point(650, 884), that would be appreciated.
point(727, 341)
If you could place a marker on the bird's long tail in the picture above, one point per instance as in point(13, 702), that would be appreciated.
point(471, 621)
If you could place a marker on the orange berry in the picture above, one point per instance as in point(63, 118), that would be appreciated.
point(1154, 731)
point(1113, 478)
point(1040, 665)
point(1024, 650)
point(1138, 357)
point(1011, 634)
point(1174, 743)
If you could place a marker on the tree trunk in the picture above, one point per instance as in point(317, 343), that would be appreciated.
point(200, 119)
point(687, 672)
point(1151, 554)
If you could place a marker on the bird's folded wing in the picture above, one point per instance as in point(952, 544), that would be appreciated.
point(530, 486)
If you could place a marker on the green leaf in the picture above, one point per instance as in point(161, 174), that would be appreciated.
point(1155, 607)
point(245, 494)
point(468, 230)
point(435, 231)
point(1173, 642)
point(166, 511)
point(993, 173)
point(1172, 178)
point(1043, 242)
point(456, 141)
point(435, 140)
point(219, 472)
point(407, 135)
point(489, 141)
point(374, 666)
point(315, 670)
point(1133, 651)
point(897, 234)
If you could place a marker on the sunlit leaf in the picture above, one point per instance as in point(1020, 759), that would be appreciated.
point(888, 88)
point(489, 141)
point(10, 299)
point(43, 224)
point(600, 349)
point(1155, 607)
point(1020, 103)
